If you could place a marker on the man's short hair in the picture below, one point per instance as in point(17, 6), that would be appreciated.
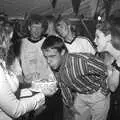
point(54, 42)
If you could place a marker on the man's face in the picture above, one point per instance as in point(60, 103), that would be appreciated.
point(36, 30)
point(101, 41)
point(53, 57)
point(62, 29)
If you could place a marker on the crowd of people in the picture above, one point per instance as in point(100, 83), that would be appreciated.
point(51, 50)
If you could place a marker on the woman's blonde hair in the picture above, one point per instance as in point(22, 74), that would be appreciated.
point(5, 43)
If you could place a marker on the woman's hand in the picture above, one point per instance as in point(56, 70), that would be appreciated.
point(50, 91)
point(40, 100)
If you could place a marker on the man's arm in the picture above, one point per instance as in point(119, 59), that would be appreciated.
point(67, 95)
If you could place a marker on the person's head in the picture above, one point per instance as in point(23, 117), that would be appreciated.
point(65, 29)
point(54, 49)
point(37, 26)
point(108, 37)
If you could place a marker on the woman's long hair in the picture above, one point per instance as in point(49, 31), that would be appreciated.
point(2, 43)
point(7, 52)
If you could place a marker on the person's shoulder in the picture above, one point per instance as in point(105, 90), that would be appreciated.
point(24, 39)
point(81, 55)
point(85, 55)
point(91, 58)
point(82, 38)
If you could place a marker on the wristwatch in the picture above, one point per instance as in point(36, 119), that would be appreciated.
point(115, 65)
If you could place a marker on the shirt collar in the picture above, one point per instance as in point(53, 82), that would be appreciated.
point(72, 40)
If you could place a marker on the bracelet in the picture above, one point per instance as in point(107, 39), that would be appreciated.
point(114, 64)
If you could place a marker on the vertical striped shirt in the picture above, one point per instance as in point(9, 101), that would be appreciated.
point(83, 73)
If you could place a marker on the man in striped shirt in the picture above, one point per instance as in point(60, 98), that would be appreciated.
point(79, 73)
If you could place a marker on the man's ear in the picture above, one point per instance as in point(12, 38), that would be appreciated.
point(108, 37)
point(62, 52)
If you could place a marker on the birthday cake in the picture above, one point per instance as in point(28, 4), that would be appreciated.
point(44, 86)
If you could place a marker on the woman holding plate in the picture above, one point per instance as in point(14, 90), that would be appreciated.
point(10, 106)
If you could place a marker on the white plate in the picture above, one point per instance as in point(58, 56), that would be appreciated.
point(25, 93)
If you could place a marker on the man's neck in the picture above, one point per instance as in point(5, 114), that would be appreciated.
point(64, 57)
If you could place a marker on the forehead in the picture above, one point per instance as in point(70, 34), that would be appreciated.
point(61, 23)
point(50, 51)
point(39, 25)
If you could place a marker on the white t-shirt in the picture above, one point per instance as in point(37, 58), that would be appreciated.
point(80, 44)
point(32, 59)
